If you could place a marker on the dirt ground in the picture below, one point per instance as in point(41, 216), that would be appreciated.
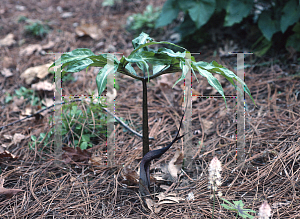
point(46, 188)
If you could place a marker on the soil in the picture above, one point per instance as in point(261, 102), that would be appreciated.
point(83, 184)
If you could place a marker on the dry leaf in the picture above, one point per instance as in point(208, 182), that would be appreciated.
point(8, 40)
point(170, 198)
point(18, 138)
point(91, 30)
point(8, 137)
point(149, 203)
point(30, 49)
point(43, 85)
point(152, 204)
point(48, 102)
point(7, 62)
point(40, 71)
point(96, 160)
point(130, 177)
point(6, 72)
point(76, 155)
point(207, 126)
point(175, 164)
point(17, 102)
point(26, 112)
point(8, 192)
point(7, 154)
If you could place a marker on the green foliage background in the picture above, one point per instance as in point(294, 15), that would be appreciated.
point(271, 17)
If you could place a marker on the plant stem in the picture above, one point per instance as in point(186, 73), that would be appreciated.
point(145, 115)
point(145, 119)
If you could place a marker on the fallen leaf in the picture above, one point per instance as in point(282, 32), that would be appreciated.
point(40, 71)
point(96, 160)
point(8, 192)
point(48, 102)
point(75, 154)
point(6, 72)
point(150, 203)
point(7, 62)
point(207, 126)
point(130, 177)
point(26, 112)
point(7, 154)
point(43, 85)
point(17, 102)
point(8, 137)
point(91, 30)
point(8, 40)
point(175, 164)
point(18, 138)
point(30, 49)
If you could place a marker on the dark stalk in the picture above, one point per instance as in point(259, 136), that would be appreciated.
point(145, 117)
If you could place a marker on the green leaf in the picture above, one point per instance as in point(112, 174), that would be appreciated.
point(153, 43)
point(169, 12)
point(101, 79)
point(78, 65)
point(129, 68)
point(101, 60)
point(236, 10)
point(212, 81)
point(171, 53)
point(267, 25)
point(33, 138)
point(77, 54)
point(201, 11)
point(158, 68)
point(214, 67)
point(42, 135)
point(86, 138)
point(261, 46)
point(140, 40)
point(238, 207)
point(290, 15)
point(185, 70)
point(83, 145)
point(140, 60)
point(293, 41)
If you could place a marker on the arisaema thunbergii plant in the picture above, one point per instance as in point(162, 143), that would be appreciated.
point(162, 60)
